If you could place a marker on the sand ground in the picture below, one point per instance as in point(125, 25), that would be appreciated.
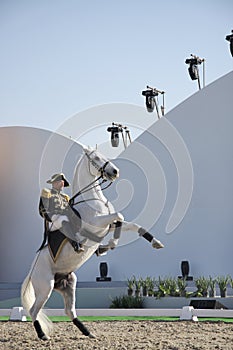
point(122, 335)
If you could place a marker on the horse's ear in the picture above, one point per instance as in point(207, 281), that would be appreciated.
point(90, 149)
point(86, 149)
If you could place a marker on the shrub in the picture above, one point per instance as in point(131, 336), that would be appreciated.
point(127, 302)
point(222, 283)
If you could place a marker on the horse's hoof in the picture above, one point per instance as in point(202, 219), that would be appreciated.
point(92, 336)
point(157, 244)
point(45, 337)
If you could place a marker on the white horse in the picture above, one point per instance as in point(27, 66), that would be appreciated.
point(98, 218)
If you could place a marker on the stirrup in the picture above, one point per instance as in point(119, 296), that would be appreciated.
point(78, 247)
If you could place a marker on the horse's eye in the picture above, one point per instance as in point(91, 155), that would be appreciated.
point(97, 158)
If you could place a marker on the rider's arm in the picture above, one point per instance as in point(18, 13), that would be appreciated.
point(44, 204)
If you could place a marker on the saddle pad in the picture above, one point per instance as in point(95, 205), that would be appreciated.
point(56, 241)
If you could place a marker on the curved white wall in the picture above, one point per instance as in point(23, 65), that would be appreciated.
point(28, 157)
point(204, 236)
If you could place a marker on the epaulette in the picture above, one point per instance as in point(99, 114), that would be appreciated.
point(67, 198)
point(46, 193)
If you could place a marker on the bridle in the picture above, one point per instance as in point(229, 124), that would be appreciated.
point(91, 161)
point(93, 184)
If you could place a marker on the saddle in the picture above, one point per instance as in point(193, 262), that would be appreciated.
point(56, 241)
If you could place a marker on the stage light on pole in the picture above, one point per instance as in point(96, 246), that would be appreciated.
point(193, 69)
point(230, 39)
point(117, 129)
point(114, 135)
point(151, 103)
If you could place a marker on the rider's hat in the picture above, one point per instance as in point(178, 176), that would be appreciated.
point(58, 177)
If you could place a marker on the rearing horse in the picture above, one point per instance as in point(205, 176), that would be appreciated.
point(98, 218)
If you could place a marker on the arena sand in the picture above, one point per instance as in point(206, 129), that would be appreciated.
point(121, 335)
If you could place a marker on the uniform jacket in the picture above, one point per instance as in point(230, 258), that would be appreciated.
point(53, 202)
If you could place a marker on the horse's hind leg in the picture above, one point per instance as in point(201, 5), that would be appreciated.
point(40, 321)
point(66, 285)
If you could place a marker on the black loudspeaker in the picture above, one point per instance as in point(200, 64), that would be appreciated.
point(185, 268)
point(185, 271)
point(206, 304)
point(103, 273)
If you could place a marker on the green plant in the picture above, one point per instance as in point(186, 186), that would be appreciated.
point(222, 283)
point(138, 284)
point(147, 285)
point(202, 284)
point(212, 287)
point(182, 284)
point(161, 290)
point(166, 287)
point(231, 282)
point(127, 302)
point(144, 284)
point(150, 286)
point(131, 285)
point(170, 286)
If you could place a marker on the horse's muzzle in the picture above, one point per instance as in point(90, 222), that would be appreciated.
point(111, 172)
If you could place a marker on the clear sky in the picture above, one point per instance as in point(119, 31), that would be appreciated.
point(59, 57)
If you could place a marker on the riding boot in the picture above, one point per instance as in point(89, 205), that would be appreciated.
point(66, 229)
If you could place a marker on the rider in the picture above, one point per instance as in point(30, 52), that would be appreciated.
point(54, 208)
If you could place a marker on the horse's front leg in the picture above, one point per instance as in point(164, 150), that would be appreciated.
point(148, 236)
point(128, 226)
point(131, 226)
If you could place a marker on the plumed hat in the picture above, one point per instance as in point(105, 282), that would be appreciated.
point(58, 177)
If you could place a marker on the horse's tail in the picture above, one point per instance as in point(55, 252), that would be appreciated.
point(28, 298)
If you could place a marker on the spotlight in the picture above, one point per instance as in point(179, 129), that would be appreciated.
point(115, 130)
point(193, 70)
point(151, 102)
point(230, 39)
point(150, 94)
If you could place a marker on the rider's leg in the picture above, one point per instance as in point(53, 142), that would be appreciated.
point(68, 231)
point(61, 223)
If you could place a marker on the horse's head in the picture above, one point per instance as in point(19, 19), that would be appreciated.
point(100, 165)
